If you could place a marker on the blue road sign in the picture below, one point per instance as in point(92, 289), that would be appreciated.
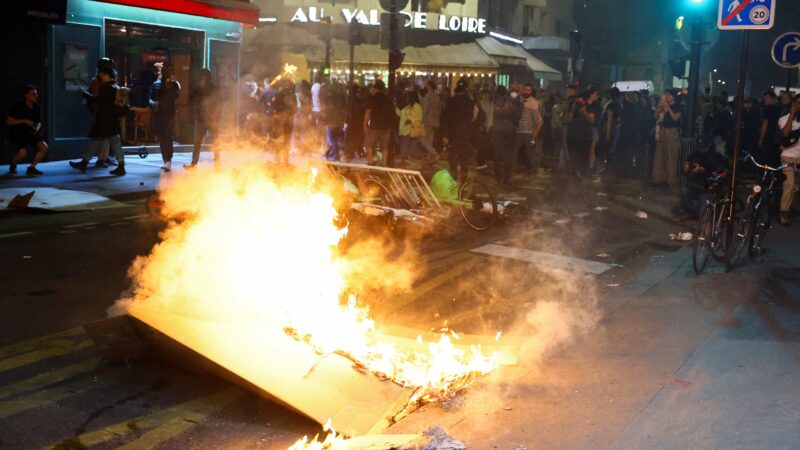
point(746, 14)
point(786, 50)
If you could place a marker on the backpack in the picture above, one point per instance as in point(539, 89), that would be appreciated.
point(121, 101)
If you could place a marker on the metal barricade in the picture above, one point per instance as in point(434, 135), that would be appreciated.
point(408, 187)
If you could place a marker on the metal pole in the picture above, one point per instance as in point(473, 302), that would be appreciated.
point(789, 80)
point(729, 258)
point(694, 76)
point(351, 90)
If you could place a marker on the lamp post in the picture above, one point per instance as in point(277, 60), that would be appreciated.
point(698, 7)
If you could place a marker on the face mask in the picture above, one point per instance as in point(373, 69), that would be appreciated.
point(514, 95)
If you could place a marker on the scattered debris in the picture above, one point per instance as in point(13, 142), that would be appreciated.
point(507, 408)
point(562, 221)
point(27, 257)
point(680, 383)
point(682, 236)
point(602, 194)
point(581, 215)
point(613, 285)
point(641, 214)
point(603, 255)
point(439, 440)
point(600, 208)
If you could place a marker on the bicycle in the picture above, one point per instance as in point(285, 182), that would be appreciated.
point(759, 210)
point(710, 236)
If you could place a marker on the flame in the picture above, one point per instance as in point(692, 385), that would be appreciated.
point(260, 244)
point(331, 442)
point(287, 72)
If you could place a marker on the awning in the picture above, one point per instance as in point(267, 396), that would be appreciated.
point(456, 57)
point(242, 11)
point(516, 56)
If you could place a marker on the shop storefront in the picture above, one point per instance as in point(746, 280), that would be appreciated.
point(189, 34)
point(443, 46)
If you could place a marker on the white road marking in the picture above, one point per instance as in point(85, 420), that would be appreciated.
point(544, 259)
point(117, 224)
point(21, 233)
point(79, 225)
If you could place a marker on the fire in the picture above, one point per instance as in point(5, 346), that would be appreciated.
point(255, 244)
point(331, 442)
point(287, 72)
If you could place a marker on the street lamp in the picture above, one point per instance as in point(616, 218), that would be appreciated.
point(695, 11)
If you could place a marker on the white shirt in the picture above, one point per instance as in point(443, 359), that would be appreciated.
point(794, 150)
point(315, 97)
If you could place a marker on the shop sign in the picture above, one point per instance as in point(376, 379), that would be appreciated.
point(419, 20)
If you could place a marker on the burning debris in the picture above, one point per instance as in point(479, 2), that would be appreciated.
point(256, 254)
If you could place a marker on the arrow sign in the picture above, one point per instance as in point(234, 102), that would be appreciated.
point(786, 50)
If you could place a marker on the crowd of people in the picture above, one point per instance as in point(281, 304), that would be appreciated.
point(510, 131)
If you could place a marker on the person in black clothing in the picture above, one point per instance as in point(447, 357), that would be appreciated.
point(507, 112)
point(105, 128)
point(379, 120)
point(579, 134)
point(768, 149)
point(165, 97)
point(611, 130)
point(24, 121)
point(205, 98)
point(457, 126)
point(701, 165)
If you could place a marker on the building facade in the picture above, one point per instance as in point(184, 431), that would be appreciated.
point(191, 35)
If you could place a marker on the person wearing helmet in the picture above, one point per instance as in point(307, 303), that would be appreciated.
point(457, 126)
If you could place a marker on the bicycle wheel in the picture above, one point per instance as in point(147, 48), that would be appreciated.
point(374, 192)
point(717, 244)
point(761, 225)
point(741, 232)
point(477, 205)
point(702, 242)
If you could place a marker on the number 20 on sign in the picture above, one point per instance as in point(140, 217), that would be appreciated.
point(746, 14)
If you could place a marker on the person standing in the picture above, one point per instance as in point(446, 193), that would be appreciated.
point(789, 126)
point(411, 128)
point(431, 113)
point(166, 92)
point(457, 125)
point(668, 141)
point(579, 134)
point(593, 113)
point(205, 101)
point(105, 129)
point(24, 121)
point(769, 152)
point(379, 119)
point(507, 111)
point(103, 159)
point(612, 123)
point(528, 129)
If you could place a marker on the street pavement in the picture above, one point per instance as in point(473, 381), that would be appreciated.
point(660, 357)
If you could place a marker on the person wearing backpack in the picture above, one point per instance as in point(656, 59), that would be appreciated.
point(108, 105)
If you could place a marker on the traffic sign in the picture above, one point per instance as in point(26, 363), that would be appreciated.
point(746, 14)
point(786, 50)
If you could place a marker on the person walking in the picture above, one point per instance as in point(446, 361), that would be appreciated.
point(379, 119)
point(507, 111)
point(528, 129)
point(431, 114)
point(103, 154)
point(205, 100)
point(668, 141)
point(166, 92)
point(789, 126)
point(24, 122)
point(457, 125)
point(105, 129)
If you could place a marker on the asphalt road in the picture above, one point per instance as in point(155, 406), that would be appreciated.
point(647, 321)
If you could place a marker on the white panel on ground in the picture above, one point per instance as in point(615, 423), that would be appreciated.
point(58, 199)
point(544, 259)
